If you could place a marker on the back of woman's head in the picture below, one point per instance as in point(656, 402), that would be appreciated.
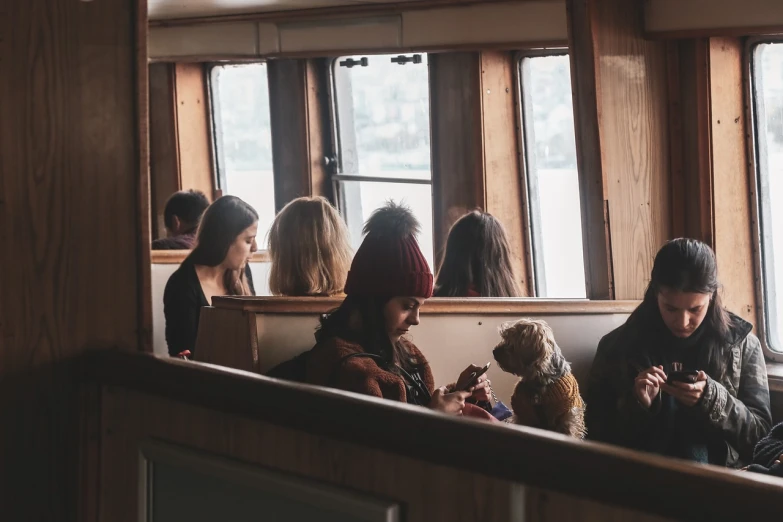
point(688, 266)
point(476, 258)
point(222, 222)
point(310, 249)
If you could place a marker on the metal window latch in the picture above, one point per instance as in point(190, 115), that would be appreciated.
point(350, 62)
point(402, 59)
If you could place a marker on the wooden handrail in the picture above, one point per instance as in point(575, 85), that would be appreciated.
point(541, 459)
point(175, 257)
point(478, 305)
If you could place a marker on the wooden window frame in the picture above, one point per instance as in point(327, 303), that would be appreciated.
point(336, 168)
point(218, 174)
point(529, 206)
point(762, 313)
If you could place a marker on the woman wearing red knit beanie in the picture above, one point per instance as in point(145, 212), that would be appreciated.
point(361, 345)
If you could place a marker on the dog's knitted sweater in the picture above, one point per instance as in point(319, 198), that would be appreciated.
point(556, 399)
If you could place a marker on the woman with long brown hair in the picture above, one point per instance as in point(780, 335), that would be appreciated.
point(309, 249)
point(683, 377)
point(476, 262)
point(218, 265)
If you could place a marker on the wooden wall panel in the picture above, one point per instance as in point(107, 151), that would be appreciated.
point(427, 492)
point(71, 158)
point(503, 182)
point(288, 87)
point(164, 146)
point(734, 244)
point(634, 113)
point(318, 135)
point(631, 111)
point(689, 124)
point(193, 120)
point(457, 156)
point(585, 82)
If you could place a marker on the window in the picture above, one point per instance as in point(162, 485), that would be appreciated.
point(243, 137)
point(381, 111)
point(767, 93)
point(551, 175)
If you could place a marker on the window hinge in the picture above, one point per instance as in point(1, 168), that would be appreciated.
point(350, 62)
point(402, 59)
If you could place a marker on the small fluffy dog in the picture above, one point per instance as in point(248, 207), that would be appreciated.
point(547, 394)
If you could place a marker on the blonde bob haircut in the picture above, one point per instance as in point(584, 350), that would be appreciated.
point(309, 248)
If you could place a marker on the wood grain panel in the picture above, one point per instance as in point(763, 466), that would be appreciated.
point(317, 107)
point(220, 328)
point(425, 490)
point(164, 146)
point(176, 257)
point(70, 191)
point(289, 91)
point(438, 305)
point(180, 392)
point(455, 123)
point(586, 88)
point(628, 124)
point(634, 120)
point(195, 146)
point(548, 506)
point(734, 244)
point(143, 190)
point(503, 183)
point(689, 117)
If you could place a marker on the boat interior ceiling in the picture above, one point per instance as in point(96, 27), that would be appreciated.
point(174, 9)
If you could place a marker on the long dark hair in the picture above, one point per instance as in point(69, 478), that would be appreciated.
point(221, 224)
point(360, 319)
point(686, 265)
point(476, 256)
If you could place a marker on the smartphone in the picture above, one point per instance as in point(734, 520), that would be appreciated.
point(475, 375)
point(679, 376)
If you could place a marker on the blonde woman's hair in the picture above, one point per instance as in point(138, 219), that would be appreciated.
point(309, 248)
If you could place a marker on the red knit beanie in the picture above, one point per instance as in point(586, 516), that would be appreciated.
point(389, 262)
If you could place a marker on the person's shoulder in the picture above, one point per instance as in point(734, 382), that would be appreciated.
point(182, 277)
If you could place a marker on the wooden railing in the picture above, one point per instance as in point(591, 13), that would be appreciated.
point(477, 305)
point(521, 455)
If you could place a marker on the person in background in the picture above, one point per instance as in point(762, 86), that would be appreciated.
point(361, 346)
point(716, 414)
point(182, 216)
point(309, 249)
point(218, 265)
point(476, 262)
point(768, 454)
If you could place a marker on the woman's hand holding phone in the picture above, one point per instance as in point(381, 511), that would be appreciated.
point(447, 402)
point(685, 392)
point(648, 384)
point(474, 380)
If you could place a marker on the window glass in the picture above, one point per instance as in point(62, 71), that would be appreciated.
point(553, 185)
point(382, 122)
point(768, 108)
point(243, 137)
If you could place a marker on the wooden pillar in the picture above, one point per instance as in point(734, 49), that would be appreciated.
point(621, 116)
point(164, 147)
point(297, 93)
point(734, 241)
point(73, 222)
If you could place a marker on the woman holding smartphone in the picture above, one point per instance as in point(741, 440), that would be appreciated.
point(361, 346)
point(683, 377)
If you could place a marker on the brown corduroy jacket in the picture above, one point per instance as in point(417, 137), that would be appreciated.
point(360, 374)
